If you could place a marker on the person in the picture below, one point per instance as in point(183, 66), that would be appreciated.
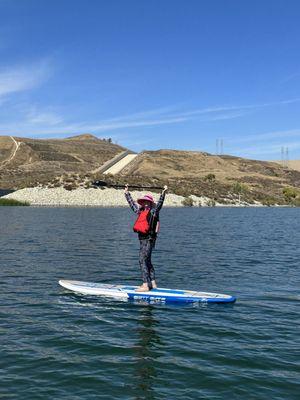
point(146, 226)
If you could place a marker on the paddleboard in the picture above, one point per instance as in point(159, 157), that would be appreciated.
point(163, 295)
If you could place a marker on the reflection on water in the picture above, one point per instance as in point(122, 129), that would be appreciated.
point(146, 352)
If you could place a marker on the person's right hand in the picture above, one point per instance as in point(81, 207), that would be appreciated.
point(126, 190)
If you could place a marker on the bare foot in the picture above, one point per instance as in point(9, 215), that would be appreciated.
point(154, 285)
point(143, 288)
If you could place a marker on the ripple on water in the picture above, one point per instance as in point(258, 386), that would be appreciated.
point(57, 345)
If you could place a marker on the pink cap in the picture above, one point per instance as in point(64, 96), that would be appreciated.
point(147, 197)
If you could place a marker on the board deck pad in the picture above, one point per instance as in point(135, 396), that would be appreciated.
point(155, 295)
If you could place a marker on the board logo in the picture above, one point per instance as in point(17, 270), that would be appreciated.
point(150, 299)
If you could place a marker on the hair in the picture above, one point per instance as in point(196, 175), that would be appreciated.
point(150, 203)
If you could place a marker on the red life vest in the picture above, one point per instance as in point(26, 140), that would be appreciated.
point(142, 223)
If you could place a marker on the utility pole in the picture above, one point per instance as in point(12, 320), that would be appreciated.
point(285, 157)
point(217, 146)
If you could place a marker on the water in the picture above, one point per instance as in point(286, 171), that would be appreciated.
point(58, 345)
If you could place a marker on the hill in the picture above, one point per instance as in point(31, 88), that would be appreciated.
point(25, 162)
point(219, 177)
point(79, 160)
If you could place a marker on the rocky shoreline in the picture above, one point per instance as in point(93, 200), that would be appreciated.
point(56, 197)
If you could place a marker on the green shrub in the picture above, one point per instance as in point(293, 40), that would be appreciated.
point(211, 203)
point(69, 180)
point(56, 184)
point(269, 201)
point(12, 202)
point(239, 188)
point(296, 202)
point(290, 194)
point(70, 186)
point(188, 202)
point(210, 177)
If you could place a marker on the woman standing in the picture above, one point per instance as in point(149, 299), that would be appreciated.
point(146, 226)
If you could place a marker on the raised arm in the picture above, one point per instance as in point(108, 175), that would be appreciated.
point(161, 200)
point(131, 202)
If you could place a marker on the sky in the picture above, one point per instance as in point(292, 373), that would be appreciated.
point(153, 74)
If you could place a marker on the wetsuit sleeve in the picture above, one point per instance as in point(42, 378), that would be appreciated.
point(160, 202)
point(132, 203)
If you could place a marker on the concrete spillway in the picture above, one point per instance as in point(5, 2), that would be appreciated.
point(118, 166)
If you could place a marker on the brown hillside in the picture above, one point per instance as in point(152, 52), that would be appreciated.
point(24, 162)
point(85, 136)
point(192, 164)
point(292, 164)
point(189, 171)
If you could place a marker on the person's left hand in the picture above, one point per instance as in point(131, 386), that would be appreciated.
point(165, 188)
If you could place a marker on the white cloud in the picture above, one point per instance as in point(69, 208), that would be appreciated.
point(240, 108)
point(107, 126)
point(264, 150)
point(264, 145)
point(267, 136)
point(47, 117)
point(39, 126)
point(167, 115)
point(290, 77)
point(24, 77)
point(46, 121)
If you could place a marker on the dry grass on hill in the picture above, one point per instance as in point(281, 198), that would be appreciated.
point(293, 164)
point(185, 164)
point(188, 172)
point(41, 160)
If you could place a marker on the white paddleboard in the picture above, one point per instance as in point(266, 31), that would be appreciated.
point(155, 295)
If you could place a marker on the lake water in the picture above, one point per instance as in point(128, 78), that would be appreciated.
point(58, 345)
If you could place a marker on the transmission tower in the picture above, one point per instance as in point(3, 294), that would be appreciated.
point(287, 157)
point(217, 146)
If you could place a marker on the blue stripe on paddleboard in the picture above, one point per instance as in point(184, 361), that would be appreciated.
point(148, 297)
point(171, 291)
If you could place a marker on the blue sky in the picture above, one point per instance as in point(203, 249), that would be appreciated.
point(154, 74)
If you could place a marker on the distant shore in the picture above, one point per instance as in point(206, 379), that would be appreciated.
point(102, 198)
